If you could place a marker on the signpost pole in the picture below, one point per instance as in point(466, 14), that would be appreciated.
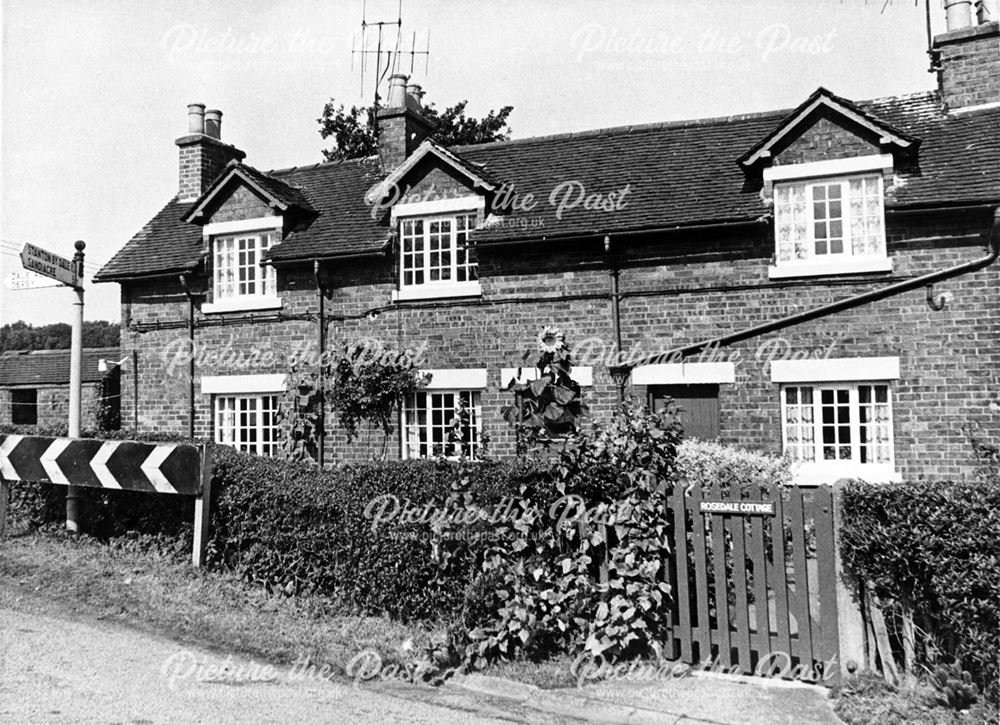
point(75, 390)
point(202, 508)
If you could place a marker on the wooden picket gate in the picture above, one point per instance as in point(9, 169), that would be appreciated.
point(744, 604)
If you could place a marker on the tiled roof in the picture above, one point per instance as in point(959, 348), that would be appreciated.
point(678, 174)
point(51, 367)
point(276, 191)
point(687, 173)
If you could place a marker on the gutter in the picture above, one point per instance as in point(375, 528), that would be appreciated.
point(598, 234)
point(926, 280)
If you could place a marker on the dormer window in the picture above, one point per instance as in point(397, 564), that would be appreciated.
point(437, 257)
point(827, 224)
point(240, 278)
point(829, 218)
point(238, 266)
point(436, 250)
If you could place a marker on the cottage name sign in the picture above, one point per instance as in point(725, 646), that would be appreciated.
point(739, 508)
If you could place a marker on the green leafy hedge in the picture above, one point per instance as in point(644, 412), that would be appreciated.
point(933, 548)
point(705, 463)
point(292, 527)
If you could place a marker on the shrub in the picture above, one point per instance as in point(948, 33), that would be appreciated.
point(704, 463)
point(597, 582)
point(933, 549)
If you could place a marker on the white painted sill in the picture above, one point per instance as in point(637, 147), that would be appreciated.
point(242, 304)
point(853, 265)
point(438, 291)
point(828, 472)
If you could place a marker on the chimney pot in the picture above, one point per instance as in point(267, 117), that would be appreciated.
point(958, 13)
point(989, 10)
point(196, 118)
point(213, 123)
point(396, 97)
point(415, 92)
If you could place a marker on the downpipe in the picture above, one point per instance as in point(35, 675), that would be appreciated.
point(190, 328)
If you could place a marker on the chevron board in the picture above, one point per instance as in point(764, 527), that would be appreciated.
point(126, 465)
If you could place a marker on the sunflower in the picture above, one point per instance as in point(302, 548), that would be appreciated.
point(551, 339)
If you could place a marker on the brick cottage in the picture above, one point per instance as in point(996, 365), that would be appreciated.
point(716, 251)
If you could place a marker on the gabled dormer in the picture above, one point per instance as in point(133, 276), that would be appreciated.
point(243, 214)
point(433, 201)
point(826, 168)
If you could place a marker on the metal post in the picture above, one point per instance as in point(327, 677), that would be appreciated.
point(75, 376)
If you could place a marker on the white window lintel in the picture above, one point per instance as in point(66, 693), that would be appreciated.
point(456, 379)
point(697, 373)
point(242, 384)
point(582, 376)
point(835, 369)
point(438, 206)
point(259, 224)
point(831, 167)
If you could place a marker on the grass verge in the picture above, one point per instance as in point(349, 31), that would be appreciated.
point(147, 583)
point(132, 581)
point(869, 700)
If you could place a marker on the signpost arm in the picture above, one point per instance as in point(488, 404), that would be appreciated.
point(202, 508)
point(75, 376)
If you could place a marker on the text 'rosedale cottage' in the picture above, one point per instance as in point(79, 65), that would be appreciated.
point(740, 232)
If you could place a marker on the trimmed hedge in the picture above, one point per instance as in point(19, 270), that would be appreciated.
point(705, 463)
point(934, 549)
point(295, 528)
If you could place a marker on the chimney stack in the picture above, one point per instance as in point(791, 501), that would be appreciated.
point(401, 124)
point(203, 155)
point(967, 56)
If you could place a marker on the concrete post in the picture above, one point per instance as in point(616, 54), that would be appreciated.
point(849, 613)
point(75, 377)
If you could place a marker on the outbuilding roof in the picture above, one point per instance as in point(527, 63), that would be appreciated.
point(51, 367)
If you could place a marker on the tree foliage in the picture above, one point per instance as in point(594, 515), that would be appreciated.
point(355, 131)
point(22, 336)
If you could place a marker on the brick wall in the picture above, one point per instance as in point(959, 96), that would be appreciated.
point(202, 158)
point(827, 138)
point(949, 359)
point(53, 405)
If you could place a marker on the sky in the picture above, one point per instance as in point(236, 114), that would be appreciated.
point(94, 92)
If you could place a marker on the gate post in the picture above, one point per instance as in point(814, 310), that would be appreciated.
point(851, 620)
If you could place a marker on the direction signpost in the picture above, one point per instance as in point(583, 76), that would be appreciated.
point(66, 272)
point(36, 259)
point(29, 280)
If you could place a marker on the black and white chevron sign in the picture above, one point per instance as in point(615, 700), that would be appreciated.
point(127, 465)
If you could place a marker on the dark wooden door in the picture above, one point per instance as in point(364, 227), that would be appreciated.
point(698, 407)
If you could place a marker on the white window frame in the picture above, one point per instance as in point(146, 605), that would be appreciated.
point(821, 471)
point(445, 212)
point(820, 173)
point(227, 432)
point(265, 294)
point(409, 433)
